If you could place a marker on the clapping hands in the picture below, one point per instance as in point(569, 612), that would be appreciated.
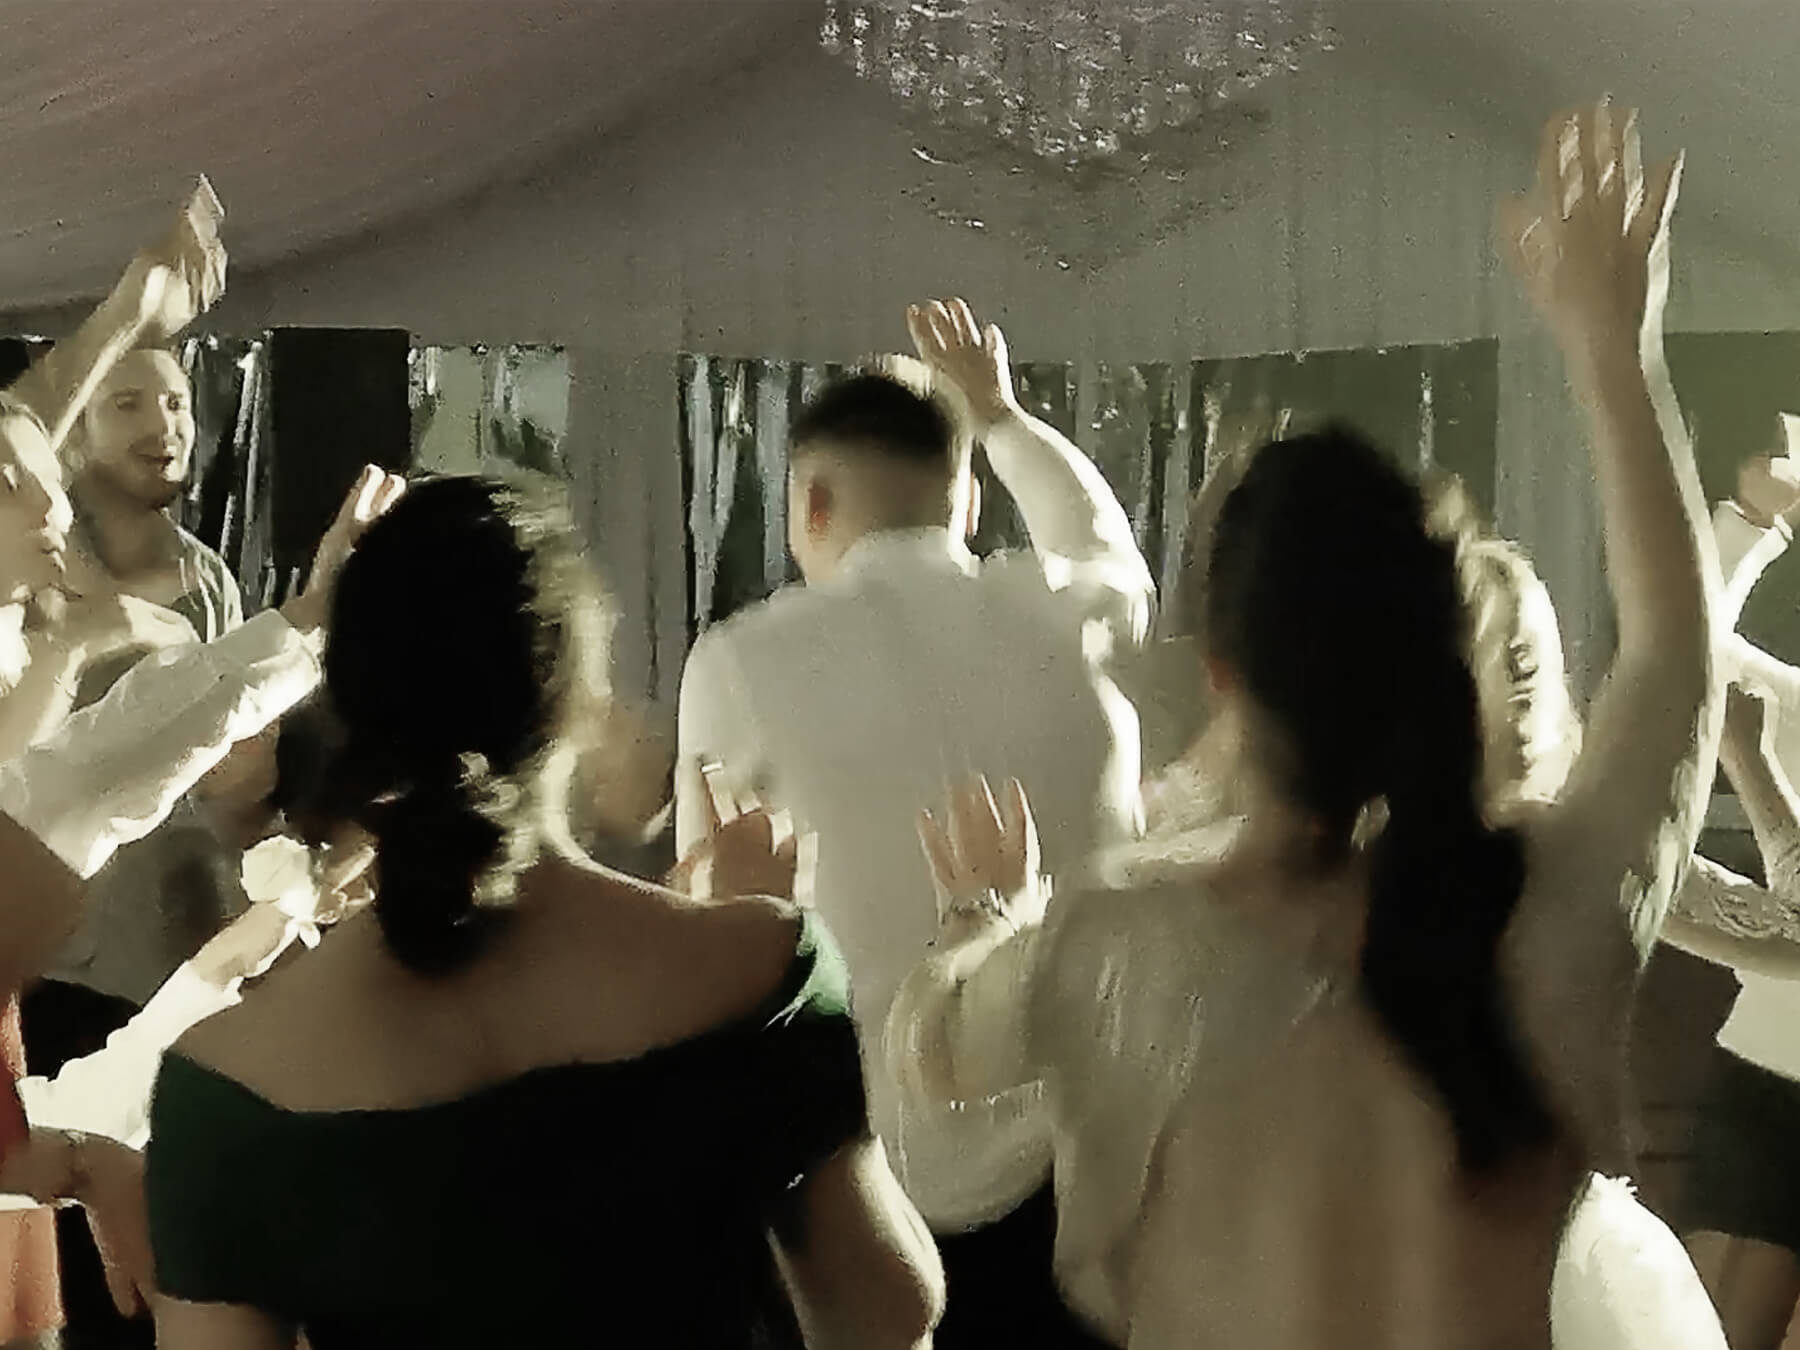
point(1590, 241)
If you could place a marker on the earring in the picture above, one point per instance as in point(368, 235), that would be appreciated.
point(1371, 820)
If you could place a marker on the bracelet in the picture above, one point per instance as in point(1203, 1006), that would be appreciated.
point(986, 904)
point(76, 1187)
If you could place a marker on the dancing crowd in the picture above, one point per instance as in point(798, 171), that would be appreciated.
point(963, 1018)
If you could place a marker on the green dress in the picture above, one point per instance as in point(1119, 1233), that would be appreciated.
point(584, 1204)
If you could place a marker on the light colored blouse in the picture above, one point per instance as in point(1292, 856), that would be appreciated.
point(110, 774)
point(113, 772)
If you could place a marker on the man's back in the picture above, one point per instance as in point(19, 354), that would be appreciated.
point(853, 704)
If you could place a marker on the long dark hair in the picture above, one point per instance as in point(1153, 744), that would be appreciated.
point(1339, 611)
point(454, 653)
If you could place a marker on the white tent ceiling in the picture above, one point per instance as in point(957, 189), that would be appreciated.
point(316, 119)
point(320, 120)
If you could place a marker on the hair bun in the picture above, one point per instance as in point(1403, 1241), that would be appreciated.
point(446, 858)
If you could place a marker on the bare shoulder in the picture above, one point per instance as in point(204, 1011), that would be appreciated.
point(292, 1013)
point(737, 953)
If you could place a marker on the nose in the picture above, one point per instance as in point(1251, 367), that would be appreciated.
point(48, 505)
point(62, 512)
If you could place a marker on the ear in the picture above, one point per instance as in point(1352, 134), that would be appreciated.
point(819, 502)
point(1220, 675)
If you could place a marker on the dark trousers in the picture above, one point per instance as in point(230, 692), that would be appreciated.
point(1002, 1291)
point(64, 1022)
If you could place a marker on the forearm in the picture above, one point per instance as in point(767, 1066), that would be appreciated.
point(42, 698)
point(955, 1030)
point(1774, 957)
point(1650, 503)
point(112, 772)
point(52, 1167)
point(1745, 549)
point(108, 1092)
point(1067, 504)
point(1769, 800)
point(59, 385)
point(1752, 665)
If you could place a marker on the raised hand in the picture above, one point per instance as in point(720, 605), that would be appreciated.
point(985, 861)
point(246, 947)
point(370, 497)
point(1768, 489)
point(747, 850)
point(1590, 241)
point(169, 285)
point(959, 351)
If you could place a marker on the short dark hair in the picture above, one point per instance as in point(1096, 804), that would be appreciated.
point(877, 415)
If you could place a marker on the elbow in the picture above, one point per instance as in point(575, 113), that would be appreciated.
point(913, 1302)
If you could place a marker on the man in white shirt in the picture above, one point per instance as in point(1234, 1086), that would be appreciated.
point(906, 663)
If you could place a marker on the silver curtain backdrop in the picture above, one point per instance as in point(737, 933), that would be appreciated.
point(1152, 428)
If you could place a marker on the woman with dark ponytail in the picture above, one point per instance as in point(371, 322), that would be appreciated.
point(525, 1100)
point(1335, 1072)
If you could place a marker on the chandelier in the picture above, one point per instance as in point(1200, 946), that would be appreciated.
point(1088, 127)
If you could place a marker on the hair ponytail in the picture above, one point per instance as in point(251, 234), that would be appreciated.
point(1343, 617)
point(1442, 889)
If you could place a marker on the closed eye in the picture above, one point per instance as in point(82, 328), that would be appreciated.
point(1521, 663)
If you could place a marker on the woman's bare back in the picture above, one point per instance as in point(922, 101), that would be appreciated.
point(1349, 1222)
point(1299, 1180)
point(594, 968)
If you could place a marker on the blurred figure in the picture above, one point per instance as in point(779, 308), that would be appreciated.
point(904, 660)
point(1382, 1030)
point(513, 1035)
point(1743, 1196)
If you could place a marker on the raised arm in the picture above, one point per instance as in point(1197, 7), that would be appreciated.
point(1725, 918)
point(1074, 518)
point(1593, 249)
point(112, 772)
point(163, 290)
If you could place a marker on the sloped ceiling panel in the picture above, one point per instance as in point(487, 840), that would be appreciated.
point(316, 119)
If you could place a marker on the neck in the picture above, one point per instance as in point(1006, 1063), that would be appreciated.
point(130, 537)
point(1275, 831)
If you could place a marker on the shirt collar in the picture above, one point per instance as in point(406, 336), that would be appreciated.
point(882, 552)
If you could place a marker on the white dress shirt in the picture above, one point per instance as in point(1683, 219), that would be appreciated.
point(855, 703)
point(108, 776)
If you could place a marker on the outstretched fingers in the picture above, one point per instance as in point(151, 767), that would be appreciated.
point(1660, 196)
point(941, 854)
point(968, 332)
